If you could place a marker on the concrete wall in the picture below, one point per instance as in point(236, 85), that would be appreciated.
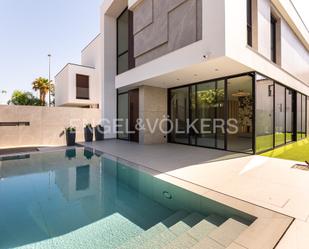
point(153, 107)
point(294, 55)
point(209, 48)
point(110, 10)
point(62, 87)
point(46, 124)
point(161, 27)
point(263, 26)
point(92, 57)
point(90, 54)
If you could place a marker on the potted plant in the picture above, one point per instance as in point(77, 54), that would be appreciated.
point(70, 153)
point(70, 133)
point(88, 132)
point(99, 133)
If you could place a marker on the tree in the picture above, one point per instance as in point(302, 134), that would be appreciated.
point(43, 86)
point(23, 98)
point(52, 94)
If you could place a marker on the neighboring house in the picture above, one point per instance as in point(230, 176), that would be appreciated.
point(79, 85)
point(245, 61)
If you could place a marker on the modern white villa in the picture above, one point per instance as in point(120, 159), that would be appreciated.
point(204, 105)
point(240, 60)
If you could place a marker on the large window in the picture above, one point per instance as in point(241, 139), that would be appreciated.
point(82, 86)
point(237, 114)
point(125, 57)
point(249, 22)
point(123, 116)
point(264, 113)
point(128, 115)
point(206, 107)
point(289, 115)
point(273, 36)
point(280, 113)
point(210, 106)
point(299, 116)
point(240, 113)
point(179, 112)
point(304, 116)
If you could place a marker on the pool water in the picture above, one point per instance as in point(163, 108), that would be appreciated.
point(78, 197)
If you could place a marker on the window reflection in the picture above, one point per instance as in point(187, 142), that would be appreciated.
point(240, 109)
point(289, 116)
point(279, 115)
point(179, 100)
point(264, 113)
point(82, 177)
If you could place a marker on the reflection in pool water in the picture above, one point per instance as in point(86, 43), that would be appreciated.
point(52, 194)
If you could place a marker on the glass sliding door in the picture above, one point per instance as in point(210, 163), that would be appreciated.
point(179, 115)
point(210, 113)
point(123, 116)
point(299, 116)
point(240, 114)
point(289, 133)
point(304, 118)
point(127, 115)
point(279, 115)
point(220, 110)
point(193, 114)
point(134, 114)
point(206, 112)
point(264, 114)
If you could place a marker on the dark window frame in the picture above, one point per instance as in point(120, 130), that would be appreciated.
point(225, 79)
point(249, 23)
point(273, 38)
point(130, 136)
point(77, 87)
point(130, 51)
point(253, 74)
point(295, 113)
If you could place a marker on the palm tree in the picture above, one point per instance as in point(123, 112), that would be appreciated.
point(43, 86)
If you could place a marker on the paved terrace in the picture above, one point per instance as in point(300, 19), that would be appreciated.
point(267, 182)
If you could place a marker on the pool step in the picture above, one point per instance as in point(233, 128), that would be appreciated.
point(224, 235)
point(186, 224)
point(206, 226)
point(158, 232)
point(107, 233)
point(212, 232)
point(196, 232)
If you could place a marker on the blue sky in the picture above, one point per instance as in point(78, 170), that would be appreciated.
point(31, 29)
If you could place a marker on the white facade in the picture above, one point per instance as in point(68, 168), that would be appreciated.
point(66, 78)
point(222, 51)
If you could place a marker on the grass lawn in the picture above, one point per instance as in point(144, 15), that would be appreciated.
point(298, 151)
point(266, 142)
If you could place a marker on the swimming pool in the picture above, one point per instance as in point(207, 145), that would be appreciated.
point(84, 198)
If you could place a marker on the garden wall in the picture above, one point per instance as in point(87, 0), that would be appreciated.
point(42, 126)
